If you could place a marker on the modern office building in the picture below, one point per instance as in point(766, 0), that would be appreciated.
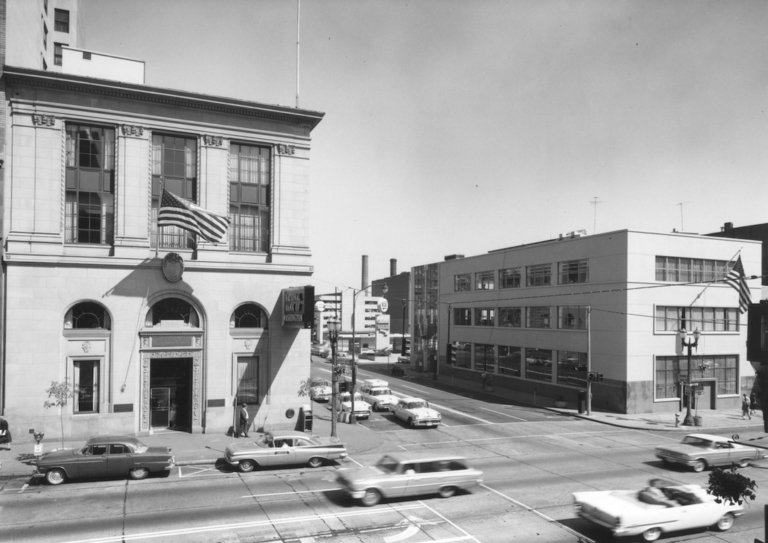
point(538, 317)
point(151, 327)
point(755, 232)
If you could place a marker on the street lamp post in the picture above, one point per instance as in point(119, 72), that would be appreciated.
point(689, 340)
point(334, 326)
point(384, 290)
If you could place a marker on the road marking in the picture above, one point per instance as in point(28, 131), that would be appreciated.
point(254, 524)
point(252, 496)
point(23, 488)
point(417, 389)
point(467, 535)
point(582, 538)
point(410, 531)
point(504, 414)
point(355, 461)
point(461, 413)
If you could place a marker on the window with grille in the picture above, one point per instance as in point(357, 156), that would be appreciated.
point(174, 168)
point(485, 316)
point(704, 319)
point(509, 278)
point(575, 271)
point(539, 275)
point(462, 282)
point(538, 317)
point(510, 317)
point(90, 179)
point(462, 316)
point(572, 317)
point(249, 198)
point(484, 280)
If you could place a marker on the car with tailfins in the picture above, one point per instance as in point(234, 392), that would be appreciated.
point(362, 408)
point(416, 412)
point(282, 448)
point(661, 508)
point(699, 451)
point(377, 393)
point(104, 456)
point(397, 476)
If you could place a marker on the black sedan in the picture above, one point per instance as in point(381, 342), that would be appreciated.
point(105, 456)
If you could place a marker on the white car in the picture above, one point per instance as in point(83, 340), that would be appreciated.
point(320, 390)
point(660, 508)
point(376, 392)
point(404, 359)
point(416, 412)
point(362, 408)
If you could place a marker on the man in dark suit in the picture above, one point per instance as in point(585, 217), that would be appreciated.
point(243, 427)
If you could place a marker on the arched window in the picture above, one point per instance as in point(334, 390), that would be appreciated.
point(173, 310)
point(87, 316)
point(248, 316)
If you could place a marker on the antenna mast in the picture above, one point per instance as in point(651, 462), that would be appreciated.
point(298, 26)
point(594, 202)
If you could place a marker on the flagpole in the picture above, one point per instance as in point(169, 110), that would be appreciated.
point(709, 283)
point(298, 26)
point(157, 226)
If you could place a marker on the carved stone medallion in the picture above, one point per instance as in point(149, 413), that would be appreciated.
point(173, 267)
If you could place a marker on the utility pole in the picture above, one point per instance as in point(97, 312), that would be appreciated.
point(594, 202)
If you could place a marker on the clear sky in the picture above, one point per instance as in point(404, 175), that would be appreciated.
point(466, 126)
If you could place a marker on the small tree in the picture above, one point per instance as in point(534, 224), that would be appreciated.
point(303, 388)
point(731, 486)
point(60, 392)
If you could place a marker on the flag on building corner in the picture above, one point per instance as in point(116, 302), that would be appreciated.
point(175, 211)
point(738, 281)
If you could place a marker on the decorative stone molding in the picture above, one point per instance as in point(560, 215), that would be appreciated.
point(248, 344)
point(86, 347)
point(197, 391)
point(133, 130)
point(286, 149)
point(43, 120)
point(213, 141)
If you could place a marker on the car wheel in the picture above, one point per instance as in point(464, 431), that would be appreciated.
point(138, 474)
point(699, 465)
point(55, 476)
point(315, 462)
point(743, 463)
point(652, 535)
point(247, 465)
point(371, 497)
point(411, 424)
point(375, 407)
point(447, 491)
point(725, 522)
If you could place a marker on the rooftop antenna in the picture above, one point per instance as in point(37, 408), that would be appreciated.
point(298, 26)
point(682, 225)
point(594, 202)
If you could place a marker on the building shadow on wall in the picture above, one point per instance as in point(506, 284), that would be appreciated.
point(144, 278)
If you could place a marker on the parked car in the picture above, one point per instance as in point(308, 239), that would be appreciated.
point(416, 412)
point(700, 451)
point(320, 390)
point(367, 354)
point(343, 357)
point(386, 351)
point(404, 359)
point(396, 476)
point(104, 456)
point(377, 393)
point(661, 508)
point(362, 408)
point(321, 350)
point(279, 448)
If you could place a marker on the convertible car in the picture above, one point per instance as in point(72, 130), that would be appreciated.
point(280, 448)
point(104, 456)
point(660, 508)
point(703, 450)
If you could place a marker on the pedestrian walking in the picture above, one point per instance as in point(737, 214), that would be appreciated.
point(752, 403)
point(745, 406)
point(243, 427)
point(5, 434)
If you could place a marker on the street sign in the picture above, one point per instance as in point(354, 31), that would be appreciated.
point(383, 305)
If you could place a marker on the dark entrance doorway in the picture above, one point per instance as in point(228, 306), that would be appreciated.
point(170, 383)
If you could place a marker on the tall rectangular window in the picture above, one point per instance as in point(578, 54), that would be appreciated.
point(462, 354)
point(90, 179)
point(484, 280)
point(45, 36)
point(572, 369)
point(174, 168)
point(509, 278)
point(726, 373)
point(86, 386)
point(58, 54)
point(538, 317)
point(462, 282)
point(572, 317)
point(249, 198)
point(539, 275)
point(462, 316)
point(574, 271)
point(485, 316)
point(61, 20)
point(538, 364)
point(247, 380)
point(509, 360)
point(484, 358)
point(510, 317)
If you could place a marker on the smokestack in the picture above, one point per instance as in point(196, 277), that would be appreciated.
point(392, 267)
point(365, 273)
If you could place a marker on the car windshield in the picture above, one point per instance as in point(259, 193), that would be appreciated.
point(697, 442)
point(387, 465)
point(417, 405)
point(264, 442)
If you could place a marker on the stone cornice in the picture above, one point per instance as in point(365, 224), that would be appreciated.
point(170, 97)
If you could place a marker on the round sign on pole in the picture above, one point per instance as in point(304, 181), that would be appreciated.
point(320, 306)
point(383, 305)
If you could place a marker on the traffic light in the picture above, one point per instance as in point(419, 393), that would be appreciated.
point(406, 346)
point(594, 376)
point(450, 354)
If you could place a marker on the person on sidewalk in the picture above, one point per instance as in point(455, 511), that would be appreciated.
point(243, 426)
point(5, 434)
point(752, 403)
point(745, 406)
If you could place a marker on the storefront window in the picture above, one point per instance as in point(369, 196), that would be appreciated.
point(538, 364)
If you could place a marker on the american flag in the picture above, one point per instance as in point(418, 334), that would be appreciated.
point(738, 281)
point(175, 211)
